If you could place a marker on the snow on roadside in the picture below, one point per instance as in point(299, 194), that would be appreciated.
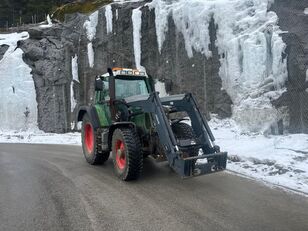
point(39, 137)
point(280, 160)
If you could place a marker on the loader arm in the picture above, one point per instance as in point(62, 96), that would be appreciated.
point(185, 166)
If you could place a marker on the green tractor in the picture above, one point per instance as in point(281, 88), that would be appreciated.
point(130, 120)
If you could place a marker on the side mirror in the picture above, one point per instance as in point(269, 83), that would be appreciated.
point(99, 85)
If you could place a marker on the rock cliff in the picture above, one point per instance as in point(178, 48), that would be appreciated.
point(51, 53)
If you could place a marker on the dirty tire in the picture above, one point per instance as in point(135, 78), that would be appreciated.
point(184, 131)
point(126, 154)
point(92, 143)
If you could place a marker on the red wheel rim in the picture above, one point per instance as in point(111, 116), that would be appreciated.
point(89, 137)
point(120, 154)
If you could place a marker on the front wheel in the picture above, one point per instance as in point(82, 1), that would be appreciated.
point(185, 131)
point(92, 143)
point(126, 154)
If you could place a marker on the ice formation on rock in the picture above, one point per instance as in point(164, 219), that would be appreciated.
point(136, 19)
point(160, 87)
point(90, 26)
point(75, 78)
point(108, 15)
point(18, 106)
point(117, 14)
point(49, 22)
point(253, 70)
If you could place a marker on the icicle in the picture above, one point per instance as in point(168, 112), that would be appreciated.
point(136, 19)
point(108, 15)
point(74, 78)
point(90, 54)
point(90, 26)
point(161, 20)
point(75, 68)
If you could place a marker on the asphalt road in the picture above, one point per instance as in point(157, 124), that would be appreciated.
point(51, 187)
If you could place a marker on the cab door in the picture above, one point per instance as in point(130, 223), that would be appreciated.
point(102, 101)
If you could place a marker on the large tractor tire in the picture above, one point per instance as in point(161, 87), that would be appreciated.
point(126, 154)
point(92, 143)
point(185, 131)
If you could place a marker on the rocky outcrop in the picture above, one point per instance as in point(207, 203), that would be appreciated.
point(48, 52)
point(293, 20)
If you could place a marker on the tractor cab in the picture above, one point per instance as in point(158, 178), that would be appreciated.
point(111, 90)
point(121, 84)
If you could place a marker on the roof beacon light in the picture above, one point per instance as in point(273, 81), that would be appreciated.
point(127, 71)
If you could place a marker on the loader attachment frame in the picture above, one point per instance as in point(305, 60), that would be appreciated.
point(213, 159)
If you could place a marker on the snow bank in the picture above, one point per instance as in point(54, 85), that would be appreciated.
point(39, 137)
point(136, 20)
point(280, 160)
point(18, 106)
point(253, 70)
point(108, 15)
point(90, 26)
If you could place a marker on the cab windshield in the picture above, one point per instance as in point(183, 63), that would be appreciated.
point(130, 87)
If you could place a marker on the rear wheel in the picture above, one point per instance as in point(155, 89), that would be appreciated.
point(126, 154)
point(92, 143)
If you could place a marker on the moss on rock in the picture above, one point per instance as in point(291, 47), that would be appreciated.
point(80, 7)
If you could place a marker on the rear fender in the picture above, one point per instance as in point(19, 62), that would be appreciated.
point(91, 112)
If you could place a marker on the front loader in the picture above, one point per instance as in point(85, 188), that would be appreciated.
point(129, 119)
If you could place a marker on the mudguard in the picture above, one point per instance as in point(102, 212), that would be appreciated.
point(91, 111)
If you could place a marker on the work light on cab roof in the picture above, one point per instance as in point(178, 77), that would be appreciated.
point(128, 71)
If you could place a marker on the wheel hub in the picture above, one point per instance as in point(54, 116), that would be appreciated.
point(89, 138)
point(120, 154)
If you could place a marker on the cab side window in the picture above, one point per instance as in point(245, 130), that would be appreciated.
point(103, 95)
